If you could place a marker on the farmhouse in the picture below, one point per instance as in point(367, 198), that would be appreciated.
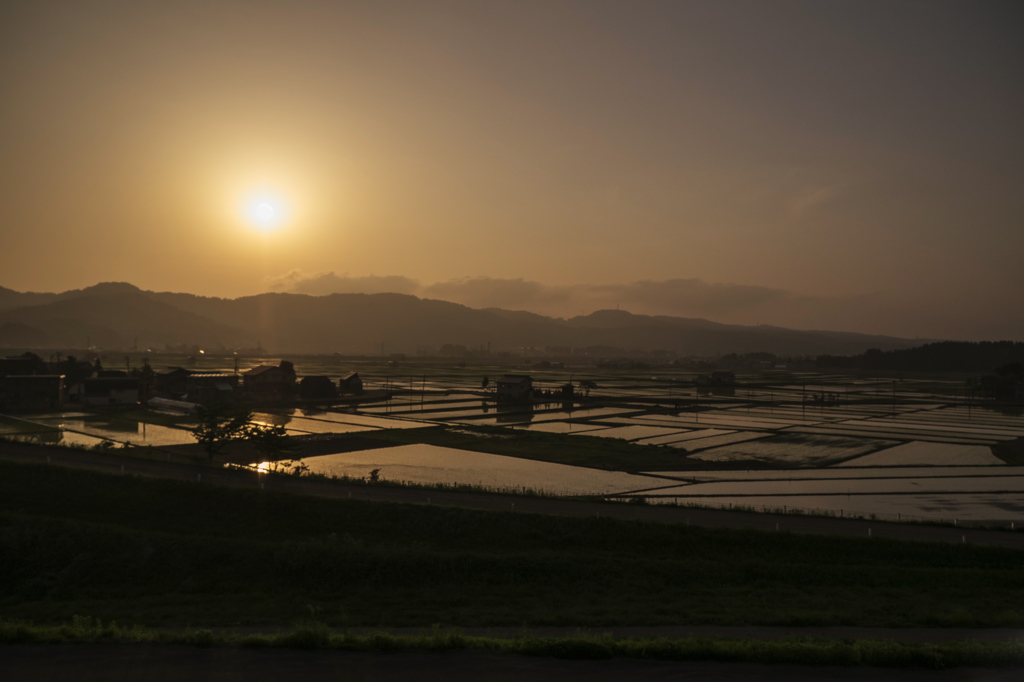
point(171, 382)
point(515, 387)
point(109, 391)
point(350, 383)
point(32, 391)
point(270, 383)
point(723, 378)
point(211, 387)
point(317, 388)
point(20, 365)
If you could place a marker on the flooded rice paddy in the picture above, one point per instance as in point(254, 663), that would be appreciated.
point(431, 464)
point(907, 449)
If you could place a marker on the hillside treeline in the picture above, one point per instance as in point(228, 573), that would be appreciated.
point(943, 356)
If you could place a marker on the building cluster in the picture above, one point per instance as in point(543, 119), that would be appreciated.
point(519, 387)
point(29, 383)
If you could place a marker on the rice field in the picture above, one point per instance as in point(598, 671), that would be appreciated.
point(801, 450)
point(634, 432)
point(840, 473)
point(694, 444)
point(927, 454)
point(915, 447)
point(829, 428)
point(430, 464)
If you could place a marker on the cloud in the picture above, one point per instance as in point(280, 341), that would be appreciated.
point(321, 284)
point(488, 292)
point(681, 297)
point(678, 296)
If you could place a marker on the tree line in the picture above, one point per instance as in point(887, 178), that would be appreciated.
point(942, 356)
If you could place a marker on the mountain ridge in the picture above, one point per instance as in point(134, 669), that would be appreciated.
point(120, 314)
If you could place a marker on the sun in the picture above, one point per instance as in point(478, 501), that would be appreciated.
point(265, 211)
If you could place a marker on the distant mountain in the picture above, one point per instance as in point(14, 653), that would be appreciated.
point(115, 314)
point(112, 320)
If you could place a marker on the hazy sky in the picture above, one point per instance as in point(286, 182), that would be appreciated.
point(823, 164)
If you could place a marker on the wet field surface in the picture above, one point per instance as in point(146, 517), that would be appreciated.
point(713, 518)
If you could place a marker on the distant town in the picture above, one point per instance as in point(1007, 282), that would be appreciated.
point(28, 382)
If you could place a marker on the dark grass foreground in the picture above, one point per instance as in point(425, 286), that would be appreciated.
point(315, 635)
point(168, 554)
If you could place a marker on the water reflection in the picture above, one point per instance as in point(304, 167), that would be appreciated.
point(271, 419)
point(514, 413)
point(430, 464)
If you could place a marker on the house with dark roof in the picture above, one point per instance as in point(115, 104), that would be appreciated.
point(267, 383)
point(171, 382)
point(350, 383)
point(211, 387)
point(514, 387)
point(110, 392)
point(20, 365)
point(317, 388)
point(32, 391)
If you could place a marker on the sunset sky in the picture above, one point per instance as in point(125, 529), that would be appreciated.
point(822, 164)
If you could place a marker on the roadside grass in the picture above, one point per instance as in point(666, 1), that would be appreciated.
point(316, 635)
point(168, 553)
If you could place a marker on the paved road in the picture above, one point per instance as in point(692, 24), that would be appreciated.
point(111, 663)
point(712, 518)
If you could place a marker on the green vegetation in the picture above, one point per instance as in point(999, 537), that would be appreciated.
point(311, 634)
point(220, 425)
point(941, 356)
point(164, 553)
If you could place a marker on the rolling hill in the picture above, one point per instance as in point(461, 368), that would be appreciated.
point(119, 315)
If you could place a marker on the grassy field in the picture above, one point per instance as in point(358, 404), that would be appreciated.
point(161, 553)
point(314, 635)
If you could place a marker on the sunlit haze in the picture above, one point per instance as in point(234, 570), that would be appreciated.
point(829, 165)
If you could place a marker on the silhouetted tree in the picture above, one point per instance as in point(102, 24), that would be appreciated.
point(219, 425)
point(272, 441)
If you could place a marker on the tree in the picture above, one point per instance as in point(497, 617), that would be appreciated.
point(271, 440)
point(219, 425)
